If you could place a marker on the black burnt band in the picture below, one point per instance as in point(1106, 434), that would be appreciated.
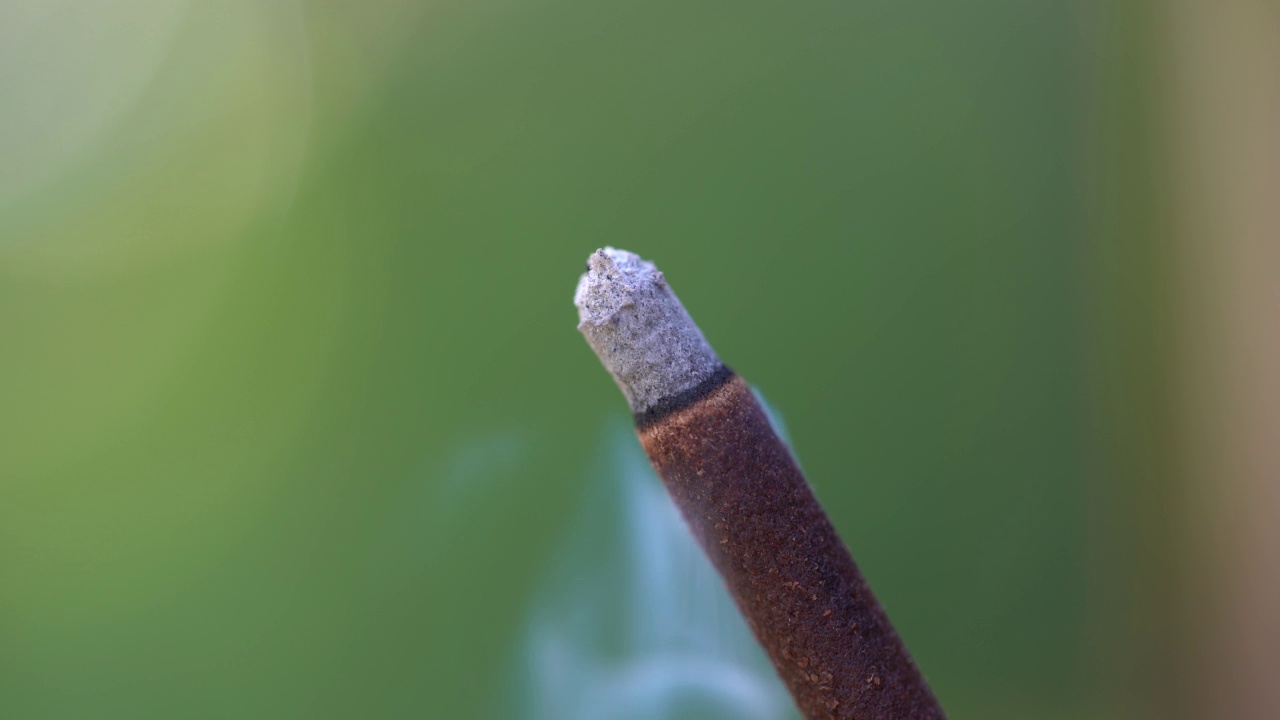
point(684, 399)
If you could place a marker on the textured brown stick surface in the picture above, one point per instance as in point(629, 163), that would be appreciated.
point(750, 508)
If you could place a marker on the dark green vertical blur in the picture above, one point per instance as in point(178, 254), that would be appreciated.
point(293, 412)
point(1140, 529)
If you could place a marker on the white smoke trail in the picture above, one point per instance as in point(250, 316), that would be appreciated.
point(636, 625)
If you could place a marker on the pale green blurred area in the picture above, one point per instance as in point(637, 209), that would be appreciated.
point(293, 413)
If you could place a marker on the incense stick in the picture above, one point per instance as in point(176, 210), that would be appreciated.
point(746, 501)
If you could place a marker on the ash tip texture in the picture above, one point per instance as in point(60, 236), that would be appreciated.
point(637, 326)
point(613, 278)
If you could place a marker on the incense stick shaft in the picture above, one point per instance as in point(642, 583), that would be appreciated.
point(751, 510)
point(747, 503)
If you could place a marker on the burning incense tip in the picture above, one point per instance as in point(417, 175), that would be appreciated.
point(641, 332)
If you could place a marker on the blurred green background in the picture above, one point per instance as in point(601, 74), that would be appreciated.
point(294, 415)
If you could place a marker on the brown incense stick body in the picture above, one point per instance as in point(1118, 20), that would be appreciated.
point(753, 513)
point(747, 503)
